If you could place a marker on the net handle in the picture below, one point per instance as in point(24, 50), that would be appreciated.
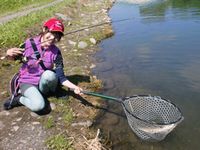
point(119, 100)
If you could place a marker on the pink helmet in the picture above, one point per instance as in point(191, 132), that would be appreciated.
point(54, 24)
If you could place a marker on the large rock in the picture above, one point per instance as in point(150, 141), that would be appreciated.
point(82, 45)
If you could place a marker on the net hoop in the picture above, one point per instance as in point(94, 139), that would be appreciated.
point(146, 121)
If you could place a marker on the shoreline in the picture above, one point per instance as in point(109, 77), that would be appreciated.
point(74, 118)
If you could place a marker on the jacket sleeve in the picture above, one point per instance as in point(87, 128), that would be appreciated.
point(59, 68)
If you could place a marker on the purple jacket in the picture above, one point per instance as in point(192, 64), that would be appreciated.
point(31, 71)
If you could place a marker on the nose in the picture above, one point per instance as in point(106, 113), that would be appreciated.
point(52, 38)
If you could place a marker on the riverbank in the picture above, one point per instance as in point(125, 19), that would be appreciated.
point(69, 124)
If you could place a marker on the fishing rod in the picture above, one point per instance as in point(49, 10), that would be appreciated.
point(88, 27)
point(96, 25)
point(81, 29)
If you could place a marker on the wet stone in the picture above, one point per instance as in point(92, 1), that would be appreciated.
point(103, 67)
point(108, 84)
point(92, 66)
point(112, 120)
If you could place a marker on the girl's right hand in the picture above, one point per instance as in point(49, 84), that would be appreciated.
point(14, 52)
point(78, 90)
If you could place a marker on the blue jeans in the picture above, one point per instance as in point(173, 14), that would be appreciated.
point(32, 96)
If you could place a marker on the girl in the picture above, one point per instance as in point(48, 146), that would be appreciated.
point(36, 78)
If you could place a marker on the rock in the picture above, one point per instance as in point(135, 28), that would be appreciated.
point(13, 123)
point(82, 45)
point(4, 93)
point(103, 67)
point(63, 47)
point(93, 41)
point(35, 123)
point(3, 57)
point(4, 113)
point(72, 42)
point(15, 128)
point(34, 115)
point(18, 119)
point(108, 84)
point(92, 66)
point(53, 106)
point(87, 123)
point(75, 50)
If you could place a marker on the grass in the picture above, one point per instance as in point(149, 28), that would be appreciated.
point(62, 107)
point(49, 123)
point(7, 6)
point(59, 142)
point(15, 32)
point(68, 116)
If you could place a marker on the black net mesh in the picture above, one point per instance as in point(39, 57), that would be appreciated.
point(151, 117)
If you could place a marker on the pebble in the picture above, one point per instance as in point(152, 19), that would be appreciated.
point(87, 123)
point(93, 41)
point(15, 128)
point(82, 45)
point(35, 123)
point(53, 106)
point(63, 47)
point(18, 119)
point(13, 123)
point(4, 92)
point(3, 57)
point(4, 113)
point(23, 141)
point(75, 50)
point(71, 42)
point(92, 66)
point(34, 114)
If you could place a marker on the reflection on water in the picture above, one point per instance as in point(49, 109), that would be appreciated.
point(157, 53)
point(137, 1)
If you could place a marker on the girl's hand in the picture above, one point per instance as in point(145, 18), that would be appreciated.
point(14, 52)
point(78, 90)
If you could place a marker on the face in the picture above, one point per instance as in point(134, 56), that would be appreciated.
point(48, 39)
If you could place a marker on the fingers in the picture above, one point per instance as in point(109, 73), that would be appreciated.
point(14, 52)
point(78, 91)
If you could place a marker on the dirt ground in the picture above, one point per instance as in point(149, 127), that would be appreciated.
point(21, 129)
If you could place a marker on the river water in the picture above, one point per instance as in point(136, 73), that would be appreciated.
point(158, 53)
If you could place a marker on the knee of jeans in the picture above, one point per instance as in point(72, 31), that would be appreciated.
point(49, 75)
point(37, 106)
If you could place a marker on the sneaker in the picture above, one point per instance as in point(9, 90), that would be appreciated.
point(15, 103)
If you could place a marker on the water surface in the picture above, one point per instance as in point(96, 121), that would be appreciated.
point(157, 53)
